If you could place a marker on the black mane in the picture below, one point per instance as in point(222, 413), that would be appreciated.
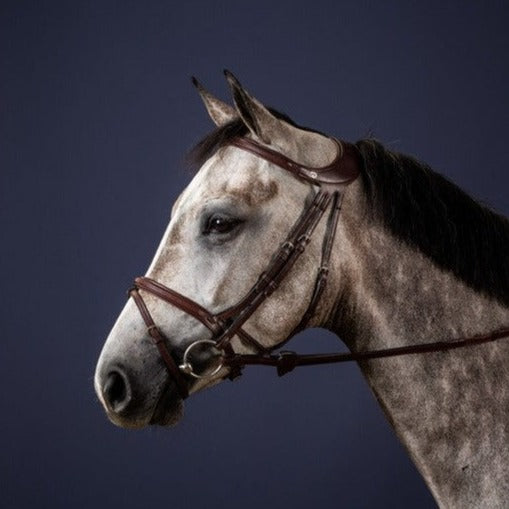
point(421, 208)
point(427, 211)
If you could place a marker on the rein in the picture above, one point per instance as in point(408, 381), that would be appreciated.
point(331, 180)
point(286, 361)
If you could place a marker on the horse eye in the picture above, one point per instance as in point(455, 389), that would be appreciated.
point(220, 224)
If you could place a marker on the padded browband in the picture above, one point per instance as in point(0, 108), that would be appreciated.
point(342, 171)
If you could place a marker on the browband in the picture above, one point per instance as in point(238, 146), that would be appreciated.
point(342, 171)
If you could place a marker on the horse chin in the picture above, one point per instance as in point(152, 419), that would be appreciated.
point(167, 411)
point(169, 408)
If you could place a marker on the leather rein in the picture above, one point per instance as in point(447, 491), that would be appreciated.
point(331, 181)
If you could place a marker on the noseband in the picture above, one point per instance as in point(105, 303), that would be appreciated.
point(331, 181)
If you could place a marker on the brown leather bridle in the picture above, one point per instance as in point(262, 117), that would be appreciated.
point(331, 181)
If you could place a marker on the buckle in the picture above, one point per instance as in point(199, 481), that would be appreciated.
point(286, 362)
point(302, 242)
point(323, 271)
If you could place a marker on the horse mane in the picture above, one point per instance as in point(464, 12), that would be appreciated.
point(419, 207)
point(427, 211)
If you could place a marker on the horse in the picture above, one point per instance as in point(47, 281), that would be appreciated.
point(283, 228)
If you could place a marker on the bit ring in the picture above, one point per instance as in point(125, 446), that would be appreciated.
point(187, 368)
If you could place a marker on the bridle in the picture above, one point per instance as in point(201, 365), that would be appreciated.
point(331, 182)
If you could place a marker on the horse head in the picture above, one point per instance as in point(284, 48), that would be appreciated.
point(226, 228)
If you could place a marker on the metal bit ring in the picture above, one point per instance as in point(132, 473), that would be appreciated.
point(187, 368)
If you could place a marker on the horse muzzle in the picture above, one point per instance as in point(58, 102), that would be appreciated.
point(134, 399)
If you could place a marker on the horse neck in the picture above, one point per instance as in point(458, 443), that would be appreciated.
point(448, 408)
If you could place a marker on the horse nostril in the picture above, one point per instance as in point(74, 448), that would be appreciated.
point(116, 391)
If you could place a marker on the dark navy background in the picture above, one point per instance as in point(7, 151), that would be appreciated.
point(96, 115)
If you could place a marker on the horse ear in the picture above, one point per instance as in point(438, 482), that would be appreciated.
point(258, 119)
point(315, 149)
point(220, 112)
